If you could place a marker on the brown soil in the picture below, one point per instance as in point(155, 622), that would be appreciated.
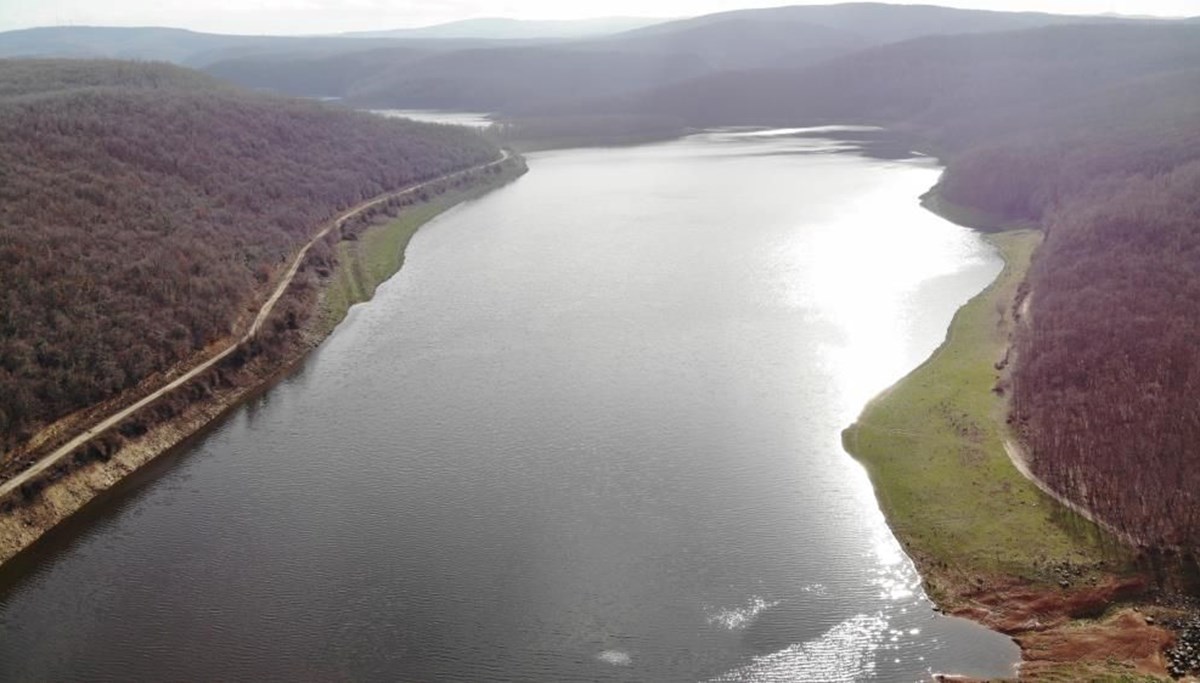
point(1012, 606)
point(1124, 637)
point(1069, 634)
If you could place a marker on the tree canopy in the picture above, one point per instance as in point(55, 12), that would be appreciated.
point(144, 208)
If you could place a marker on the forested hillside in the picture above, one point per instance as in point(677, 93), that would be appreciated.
point(502, 78)
point(192, 48)
point(1107, 370)
point(501, 28)
point(312, 75)
point(1109, 366)
point(482, 79)
point(144, 208)
point(953, 89)
point(524, 79)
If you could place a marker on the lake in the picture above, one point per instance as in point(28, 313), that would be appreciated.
point(455, 118)
point(590, 432)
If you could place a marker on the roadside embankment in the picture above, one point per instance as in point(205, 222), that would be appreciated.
point(377, 253)
point(988, 542)
point(367, 254)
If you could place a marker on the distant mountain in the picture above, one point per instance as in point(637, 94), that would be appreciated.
point(533, 76)
point(439, 67)
point(880, 23)
point(308, 75)
point(167, 44)
point(188, 47)
point(806, 34)
point(737, 40)
point(956, 84)
point(512, 29)
point(496, 79)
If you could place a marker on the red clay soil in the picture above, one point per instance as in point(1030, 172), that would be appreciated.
point(1124, 637)
point(1012, 606)
point(1041, 621)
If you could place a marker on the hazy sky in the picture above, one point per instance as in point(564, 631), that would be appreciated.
point(326, 16)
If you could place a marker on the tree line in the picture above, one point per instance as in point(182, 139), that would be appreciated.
point(1107, 372)
point(145, 210)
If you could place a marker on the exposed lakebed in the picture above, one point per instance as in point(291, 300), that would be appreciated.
point(589, 432)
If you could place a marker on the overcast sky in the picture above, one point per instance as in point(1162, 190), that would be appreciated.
point(328, 16)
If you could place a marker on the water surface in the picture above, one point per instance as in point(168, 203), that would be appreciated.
point(589, 432)
point(457, 118)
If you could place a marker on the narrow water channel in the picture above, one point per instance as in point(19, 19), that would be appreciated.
point(589, 432)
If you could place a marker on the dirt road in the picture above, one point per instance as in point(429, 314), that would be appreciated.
point(264, 312)
point(1021, 461)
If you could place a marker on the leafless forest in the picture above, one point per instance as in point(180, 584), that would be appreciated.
point(143, 209)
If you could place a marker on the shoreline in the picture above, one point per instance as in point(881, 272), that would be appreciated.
point(1071, 605)
point(988, 543)
point(61, 495)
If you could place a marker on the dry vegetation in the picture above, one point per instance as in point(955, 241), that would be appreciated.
point(1105, 387)
point(145, 208)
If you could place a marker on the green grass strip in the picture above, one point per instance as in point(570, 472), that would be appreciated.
point(933, 447)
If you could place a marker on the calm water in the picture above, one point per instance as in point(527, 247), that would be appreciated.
point(469, 119)
point(590, 432)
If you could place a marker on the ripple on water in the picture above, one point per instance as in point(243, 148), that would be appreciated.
point(615, 657)
point(844, 653)
point(738, 618)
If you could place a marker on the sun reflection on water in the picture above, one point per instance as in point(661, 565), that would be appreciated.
point(895, 575)
point(833, 271)
point(738, 618)
point(844, 653)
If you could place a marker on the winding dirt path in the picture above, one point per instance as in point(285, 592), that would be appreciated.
point(1020, 460)
point(264, 312)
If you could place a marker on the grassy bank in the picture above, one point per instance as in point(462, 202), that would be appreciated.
point(378, 253)
point(529, 145)
point(989, 544)
point(966, 216)
point(933, 445)
point(375, 255)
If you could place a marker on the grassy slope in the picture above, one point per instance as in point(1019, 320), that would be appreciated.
point(966, 216)
point(378, 254)
point(979, 531)
point(933, 447)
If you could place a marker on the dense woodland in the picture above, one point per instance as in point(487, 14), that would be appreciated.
point(1109, 366)
point(482, 79)
point(957, 90)
point(144, 208)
